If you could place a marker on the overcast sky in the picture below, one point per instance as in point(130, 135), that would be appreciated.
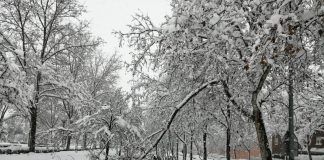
point(108, 15)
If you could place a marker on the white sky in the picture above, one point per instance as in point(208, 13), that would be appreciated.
point(106, 16)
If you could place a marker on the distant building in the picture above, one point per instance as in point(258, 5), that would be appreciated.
point(317, 140)
point(240, 153)
point(279, 145)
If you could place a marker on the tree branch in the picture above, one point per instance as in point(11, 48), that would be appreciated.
point(176, 111)
point(230, 97)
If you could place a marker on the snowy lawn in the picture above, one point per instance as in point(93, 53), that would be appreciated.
point(210, 157)
point(63, 155)
point(84, 155)
point(305, 157)
point(73, 155)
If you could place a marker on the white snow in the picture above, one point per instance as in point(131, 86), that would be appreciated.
point(236, 34)
point(103, 129)
point(215, 19)
point(85, 118)
point(66, 155)
point(122, 123)
point(307, 15)
point(105, 107)
point(171, 26)
point(19, 52)
point(257, 2)
point(182, 19)
point(275, 19)
point(85, 155)
point(257, 42)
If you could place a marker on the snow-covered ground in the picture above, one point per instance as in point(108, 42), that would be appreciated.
point(84, 155)
point(305, 157)
point(210, 157)
point(64, 155)
point(70, 155)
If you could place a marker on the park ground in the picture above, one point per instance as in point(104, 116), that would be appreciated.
point(85, 155)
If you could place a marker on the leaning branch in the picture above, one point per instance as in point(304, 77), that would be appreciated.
point(262, 79)
point(176, 111)
point(182, 140)
point(230, 97)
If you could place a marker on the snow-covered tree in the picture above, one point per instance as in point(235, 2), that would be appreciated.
point(35, 33)
point(236, 43)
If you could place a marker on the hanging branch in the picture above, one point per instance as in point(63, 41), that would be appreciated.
point(176, 111)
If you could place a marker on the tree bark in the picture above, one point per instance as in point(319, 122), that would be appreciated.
point(171, 144)
point(309, 148)
point(258, 120)
point(108, 140)
point(309, 153)
point(249, 154)
point(228, 142)
point(85, 140)
point(262, 135)
point(256, 116)
point(156, 151)
point(32, 133)
point(291, 114)
point(177, 150)
point(191, 146)
point(184, 148)
point(234, 152)
point(121, 146)
point(33, 115)
point(205, 143)
point(77, 143)
point(68, 142)
point(107, 150)
point(228, 133)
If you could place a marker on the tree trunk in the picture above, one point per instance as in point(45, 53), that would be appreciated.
point(228, 133)
point(228, 142)
point(85, 141)
point(205, 143)
point(172, 150)
point(68, 142)
point(258, 120)
point(120, 148)
point(171, 144)
point(107, 150)
point(191, 145)
point(32, 133)
point(162, 150)
point(177, 150)
point(184, 148)
point(234, 152)
point(249, 154)
point(156, 150)
point(261, 135)
point(69, 138)
point(256, 117)
point(3, 112)
point(77, 143)
point(290, 114)
point(309, 151)
point(33, 115)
